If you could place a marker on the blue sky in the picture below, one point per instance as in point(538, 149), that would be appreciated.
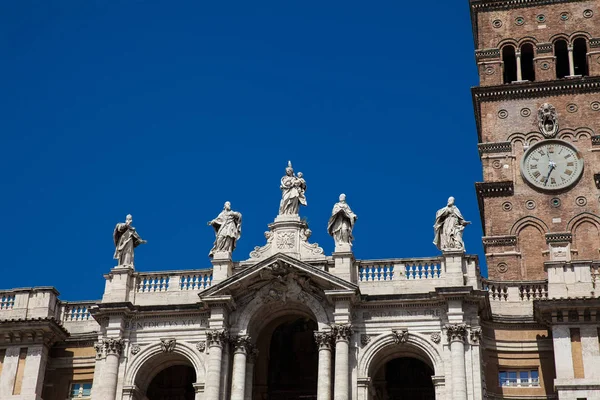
point(165, 110)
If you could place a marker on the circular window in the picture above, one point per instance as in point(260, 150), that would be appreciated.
point(564, 16)
point(555, 202)
point(588, 13)
point(541, 18)
point(530, 204)
point(502, 114)
point(496, 23)
point(519, 21)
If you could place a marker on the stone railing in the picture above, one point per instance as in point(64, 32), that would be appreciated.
point(395, 269)
point(514, 297)
point(7, 301)
point(76, 311)
point(427, 268)
point(370, 271)
point(152, 282)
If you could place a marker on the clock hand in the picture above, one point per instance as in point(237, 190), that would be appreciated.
point(552, 165)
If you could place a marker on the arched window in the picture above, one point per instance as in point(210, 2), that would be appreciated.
point(510, 63)
point(562, 58)
point(527, 69)
point(580, 66)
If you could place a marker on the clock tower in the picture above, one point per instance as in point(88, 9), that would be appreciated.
point(537, 111)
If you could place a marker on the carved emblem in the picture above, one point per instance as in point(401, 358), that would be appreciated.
point(400, 335)
point(135, 348)
point(167, 345)
point(285, 240)
point(547, 120)
point(201, 346)
point(475, 335)
point(365, 339)
point(436, 337)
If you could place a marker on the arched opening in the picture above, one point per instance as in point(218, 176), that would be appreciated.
point(580, 57)
point(562, 58)
point(527, 69)
point(404, 378)
point(173, 383)
point(509, 60)
point(288, 366)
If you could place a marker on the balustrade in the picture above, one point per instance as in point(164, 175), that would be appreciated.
point(497, 291)
point(533, 291)
point(154, 282)
point(376, 271)
point(423, 269)
point(196, 281)
point(77, 312)
point(7, 301)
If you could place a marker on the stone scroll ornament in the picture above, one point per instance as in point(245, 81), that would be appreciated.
point(228, 230)
point(126, 239)
point(341, 222)
point(293, 188)
point(448, 227)
point(547, 120)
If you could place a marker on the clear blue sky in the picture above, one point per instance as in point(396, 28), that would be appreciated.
point(166, 109)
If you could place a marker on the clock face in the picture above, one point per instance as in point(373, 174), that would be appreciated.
point(552, 165)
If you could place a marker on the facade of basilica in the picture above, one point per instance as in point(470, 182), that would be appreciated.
point(291, 322)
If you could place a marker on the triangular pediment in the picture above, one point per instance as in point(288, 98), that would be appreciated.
point(279, 269)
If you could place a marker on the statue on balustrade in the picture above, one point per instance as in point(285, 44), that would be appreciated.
point(342, 222)
point(126, 239)
point(292, 192)
point(228, 229)
point(448, 227)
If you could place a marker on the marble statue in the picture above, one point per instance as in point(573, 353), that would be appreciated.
point(292, 192)
point(228, 229)
point(341, 222)
point(126, 239)
point(448, 227)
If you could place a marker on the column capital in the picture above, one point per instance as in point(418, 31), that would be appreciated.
point(217, 337)
point(324, 339)
point(242, 344)
point(113, 346)
point(342, 331)
point(456, 332)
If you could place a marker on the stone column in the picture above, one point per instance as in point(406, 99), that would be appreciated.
point(519, 72)
point(571, 62)
point(113, 347)
point(35, 369)
point(342, 368)
point(456, 338)
point(216, 338)
point(238, 380)
point(250, 361)
point(324, 340)
point(439, 383)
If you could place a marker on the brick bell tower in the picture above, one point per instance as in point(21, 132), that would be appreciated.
point(537, 110)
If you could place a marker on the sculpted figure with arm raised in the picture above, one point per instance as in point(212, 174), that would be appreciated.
point(126, 239)
point(448, 228)
point(228, 229)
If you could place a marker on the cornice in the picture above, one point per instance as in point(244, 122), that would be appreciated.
point(32, 330)
point(494, 147)
point(530, 90)
point(559, 237)
point(491, 189)
point(508, 240)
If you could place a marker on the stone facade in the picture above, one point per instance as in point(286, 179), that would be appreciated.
point(369, 329)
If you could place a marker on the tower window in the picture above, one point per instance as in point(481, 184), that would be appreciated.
point(580, 57)
point(562, 58)
point(510, 64)
point(527, 69)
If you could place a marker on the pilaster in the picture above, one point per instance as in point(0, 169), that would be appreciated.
point(222, 266)
point(344, 267)
point(119, 284)
point(454, 267)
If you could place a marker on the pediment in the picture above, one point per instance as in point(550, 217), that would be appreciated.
point(278, 275)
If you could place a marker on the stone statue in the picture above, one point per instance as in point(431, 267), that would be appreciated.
point(448, 227)
point(341, 222)
point(292, 192)
point(126, 239)
point(228, 229)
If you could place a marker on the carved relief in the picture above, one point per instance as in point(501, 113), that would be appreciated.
point(242, 344)
point(113, 346)
point(475, 335)
point(324, 339)
point(436, 337)
point(286, 240)
point(547, 120)
point(201, 346)
point(217, 337)
point(365, 339)
point(400, 335)
point(135, 348)
point(342, 331)
point(167, 345)
point(99, 347)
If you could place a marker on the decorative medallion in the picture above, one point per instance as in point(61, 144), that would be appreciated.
point(489, 70)
point(588, 13)
point(201, 346)
point(595, 105)
point(555, 202)
point(502, 267)
point(540, 18)
point(507, 206)
point(581, 201)
point(436, 337)
point(545, 66)
point(519, 21)
point(547, 120)
point(497, 23)
point(502, 114)
point(572, 108)
point(525, 112)
point(285, 240)
point(497, 164)
point(530, 204)
point(365, 339)
point(135, 348)
point(564, 16)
